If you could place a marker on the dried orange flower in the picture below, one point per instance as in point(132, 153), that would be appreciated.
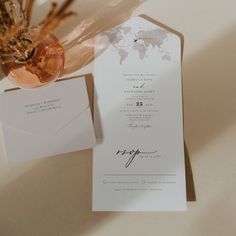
point(15, 17)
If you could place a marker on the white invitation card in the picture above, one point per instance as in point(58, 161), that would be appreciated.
point(138, 163)
point(46, 121)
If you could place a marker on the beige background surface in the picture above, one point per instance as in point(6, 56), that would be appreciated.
point(52, 196)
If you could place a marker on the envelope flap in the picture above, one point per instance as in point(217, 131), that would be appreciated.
point(45, 110)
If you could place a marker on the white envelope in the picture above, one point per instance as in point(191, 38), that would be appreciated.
point(47, 121)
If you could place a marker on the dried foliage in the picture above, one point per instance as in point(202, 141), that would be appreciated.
point(15, 28)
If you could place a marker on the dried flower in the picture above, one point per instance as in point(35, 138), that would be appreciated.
point(15, 29)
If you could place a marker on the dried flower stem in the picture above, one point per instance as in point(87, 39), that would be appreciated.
point(28, 11)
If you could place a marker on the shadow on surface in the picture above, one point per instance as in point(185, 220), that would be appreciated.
point(209, 92)
point(53, 198)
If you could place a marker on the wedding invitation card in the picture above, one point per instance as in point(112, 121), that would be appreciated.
point(138, 163)
point(46, 121)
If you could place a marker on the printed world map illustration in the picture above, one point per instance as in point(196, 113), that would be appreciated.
point(123, 40)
